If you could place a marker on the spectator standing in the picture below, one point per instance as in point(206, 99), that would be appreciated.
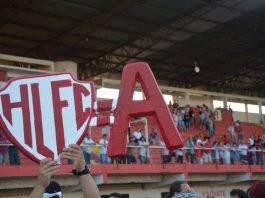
point(179, 153)
point(86, 147)
point(243, 152)
point(164, 152)
point(180, 120)
point(227, 156)
point(190, 154)
point(142, 150)
point(13, 155)
point(175, 116)
point(137, 135)
point(202, 115)
point(239, 131)
point(130, 151)
point(215, 148)
point(192, 118)
point(198, 151)
point(259, 153)
point(235, 153)
point(231, 131)
point(103, 142)
point(252, 153)
point(251, 140)
point(187, 121)
point(153, 138)
point(221, 152)
point(210, 126)
point(3, 149)
point(207, 157)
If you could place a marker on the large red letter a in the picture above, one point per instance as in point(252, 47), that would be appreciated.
point(153, 105)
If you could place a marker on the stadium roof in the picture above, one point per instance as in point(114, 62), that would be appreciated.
point(225, 37)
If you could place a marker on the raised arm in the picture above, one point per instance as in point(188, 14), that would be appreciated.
point(89, 187)
point(48, 167)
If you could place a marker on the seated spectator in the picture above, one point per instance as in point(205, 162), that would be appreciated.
point(257, 190)
point(142, 150)
point(238, 193)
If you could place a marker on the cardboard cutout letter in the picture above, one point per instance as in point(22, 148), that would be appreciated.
point(153, 105)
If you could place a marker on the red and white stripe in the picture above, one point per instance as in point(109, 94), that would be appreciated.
point(107, 105)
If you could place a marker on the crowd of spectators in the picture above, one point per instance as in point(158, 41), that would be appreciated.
point(202, 148)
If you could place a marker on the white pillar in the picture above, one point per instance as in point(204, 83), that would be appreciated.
point(66, 66)
point(187, 99)
point(225, 103)
point(246, 107)
point(260, 112)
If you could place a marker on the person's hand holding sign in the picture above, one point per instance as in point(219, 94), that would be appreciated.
point(75, 153)
point(50, 167)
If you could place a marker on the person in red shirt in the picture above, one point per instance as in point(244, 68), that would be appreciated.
point(198, 151)
point(207, 158)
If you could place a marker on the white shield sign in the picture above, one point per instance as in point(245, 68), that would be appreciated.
point(43, 114)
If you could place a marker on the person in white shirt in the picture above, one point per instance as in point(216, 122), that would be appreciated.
point(137, 134)
point(243, 152)
point(231, 131)
point(251, 140)
point(86, 147)
point(103, 142)
point(142, 150)
point(227, 156)
point(165, 152)
point(179, 153)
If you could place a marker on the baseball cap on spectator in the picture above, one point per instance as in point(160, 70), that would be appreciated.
point(257, 190)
